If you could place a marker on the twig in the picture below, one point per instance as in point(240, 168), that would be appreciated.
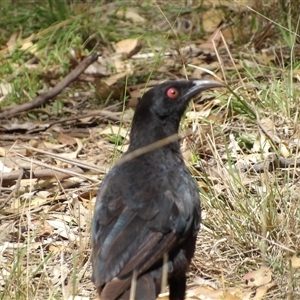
point(133, 285)
point(275, 139)
point(17, 186)
point(44, 98)
point(103, 114)
point(12, 137)
point(143, 150)
point(164, 278)
point(72, 161)
point(44, 173)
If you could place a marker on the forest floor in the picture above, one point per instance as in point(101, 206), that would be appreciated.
point(70, 76)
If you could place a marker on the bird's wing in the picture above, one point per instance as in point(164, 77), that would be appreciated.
point(133, 235)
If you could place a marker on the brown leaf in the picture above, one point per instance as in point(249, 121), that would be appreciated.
point(262, 290)
point(212, 42)
point(128, 47)
point(66, 139)
point(211, 19)
point(105, 91)
point(72, 155)
point(43, 228)
point(135, 95)
point(259, 277)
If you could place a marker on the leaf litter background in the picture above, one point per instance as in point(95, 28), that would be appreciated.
point(53, 158)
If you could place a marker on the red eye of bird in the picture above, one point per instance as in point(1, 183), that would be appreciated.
point(172, 93)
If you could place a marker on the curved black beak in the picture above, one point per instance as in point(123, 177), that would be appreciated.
point(201, 85)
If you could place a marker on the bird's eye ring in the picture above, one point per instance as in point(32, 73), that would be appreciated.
point(172, 93)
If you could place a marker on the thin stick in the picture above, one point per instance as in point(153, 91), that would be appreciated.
point(16, 188)
point(133, 286)
point(164, 278)
point(163, 142)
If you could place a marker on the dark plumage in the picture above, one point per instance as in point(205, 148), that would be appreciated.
point(148, 205)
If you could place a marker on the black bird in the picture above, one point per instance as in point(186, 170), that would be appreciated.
point(148, 205)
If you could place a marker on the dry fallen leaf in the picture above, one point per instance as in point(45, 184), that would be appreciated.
point(115, 131)
point(3, 152)
point(212, 18)
point(41, 228)
point(5, 89)
point(295, 261)
point(206, 282)
point(207, 293)
point(111, 80)
point(212, 42)
point(122, 148)
point(59, 273)
point(66, 139)
point(229, 3)
point(28, 45)
point(72, 155)
point(37, 202)
point(11, 43)
point(51, 146)
point(4, 168)
point(131, 15)
point(99, 67)
point(259, 277)
point(128, 47)
point(64, 230)
point(284, 151)
point(262, 290)
point(267, 135)
point(60, 246)
point(105, 91)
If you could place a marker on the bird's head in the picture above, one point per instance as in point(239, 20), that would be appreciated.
point(170, 99)
point(161, 108)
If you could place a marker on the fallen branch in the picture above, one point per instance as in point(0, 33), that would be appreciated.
point(44, 98)
point(101, 114)
point(12, 137)
point(41, 174)
point(272, 163)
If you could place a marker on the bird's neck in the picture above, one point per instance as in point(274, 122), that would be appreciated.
point(151, 131)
